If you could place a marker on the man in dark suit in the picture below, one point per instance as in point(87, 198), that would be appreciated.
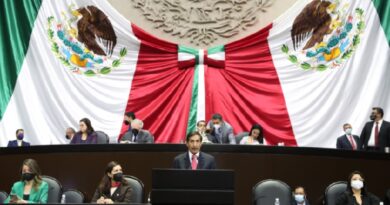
point(375, 135)
point(137, 134)
point(19, 140)
point(221, 132)
point(300, 196)
point(194, 158)
point(348, 141)
point(128, 118)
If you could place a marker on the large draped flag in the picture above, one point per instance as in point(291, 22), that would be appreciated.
point(319, 65)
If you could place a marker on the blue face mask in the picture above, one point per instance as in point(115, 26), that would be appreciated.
point(299, 198)
point(20, 136)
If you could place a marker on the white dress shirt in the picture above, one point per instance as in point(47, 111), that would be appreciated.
point(190, 154)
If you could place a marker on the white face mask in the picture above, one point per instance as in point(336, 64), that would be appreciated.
point(300, 198)
point(217, 126)
point(357, 184)
point(348, 131)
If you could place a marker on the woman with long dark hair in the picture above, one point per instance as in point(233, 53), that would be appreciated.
point(30, 188)
point(356, 193)
point(86, 135)
point(255, 136)
point(113, 188)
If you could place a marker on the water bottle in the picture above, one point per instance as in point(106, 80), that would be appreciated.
point(277, 201)
point(63, 199)
point(149, 197)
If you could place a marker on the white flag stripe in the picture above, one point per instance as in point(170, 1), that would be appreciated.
point(319, 103)
point(201, 109)
point(48, 97)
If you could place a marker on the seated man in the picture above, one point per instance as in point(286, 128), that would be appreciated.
point(194, 158)
point(221, 132)
point(201, 128)
point(348, 141)
point(137, 134)
point(300, 196)
point(129, 116)
point(19, 140)
point(69, 133)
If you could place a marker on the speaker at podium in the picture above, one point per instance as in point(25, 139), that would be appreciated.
point(192, 187)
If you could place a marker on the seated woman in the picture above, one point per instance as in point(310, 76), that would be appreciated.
point(255, 136)
point(113, 188)
point(31, 188)
point(86, 135)
point(356, 193)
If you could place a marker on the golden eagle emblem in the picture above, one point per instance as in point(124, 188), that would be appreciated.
point(324, 35)
point(84, 40)
point(315, 19)
point(94, 23)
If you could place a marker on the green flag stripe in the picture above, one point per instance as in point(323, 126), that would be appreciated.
point(383, 10)
point(216, 49)
point(191, 125)
point(16, 23)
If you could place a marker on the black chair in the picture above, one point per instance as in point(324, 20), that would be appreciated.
point(137, 194)
point(241, 135)
point(387, 198)
point(102, 138)
point(268, 191)
point(55, 189)
point(73, 196)
point(333, 191)
point(3, 196)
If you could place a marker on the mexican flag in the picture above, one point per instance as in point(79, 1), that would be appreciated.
point(302, 77)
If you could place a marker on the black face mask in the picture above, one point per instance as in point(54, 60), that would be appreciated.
point(372, 117)
point(135, 131)
point(126, 122)
point(28, 176)
point(118, 177)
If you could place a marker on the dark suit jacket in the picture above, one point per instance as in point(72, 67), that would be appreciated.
point(121, 194)
point(205, 161)
point(14, 143)
point(295, 203)
point(347, 198)
point(384, 135)
point(344, 143)
point(143, 137)
point(227, 135)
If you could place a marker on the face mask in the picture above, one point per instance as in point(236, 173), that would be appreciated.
point(372, 117)
point(118, 177)
point(356, 184)
point(348, 131)
point(28, 176)
point(135, 131)
point(20, 136)
point(217, 126)
point(126, 122)
point(300, 198)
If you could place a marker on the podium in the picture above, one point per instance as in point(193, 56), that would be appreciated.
point(192, 187)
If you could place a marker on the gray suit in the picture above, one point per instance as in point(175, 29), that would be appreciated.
point(225, 135)
point(143, 137)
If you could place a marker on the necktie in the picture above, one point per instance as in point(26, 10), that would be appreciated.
point(352, 142)
point(219, 135)
point(376, 134)
point(194, 162)
point(134, 138)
